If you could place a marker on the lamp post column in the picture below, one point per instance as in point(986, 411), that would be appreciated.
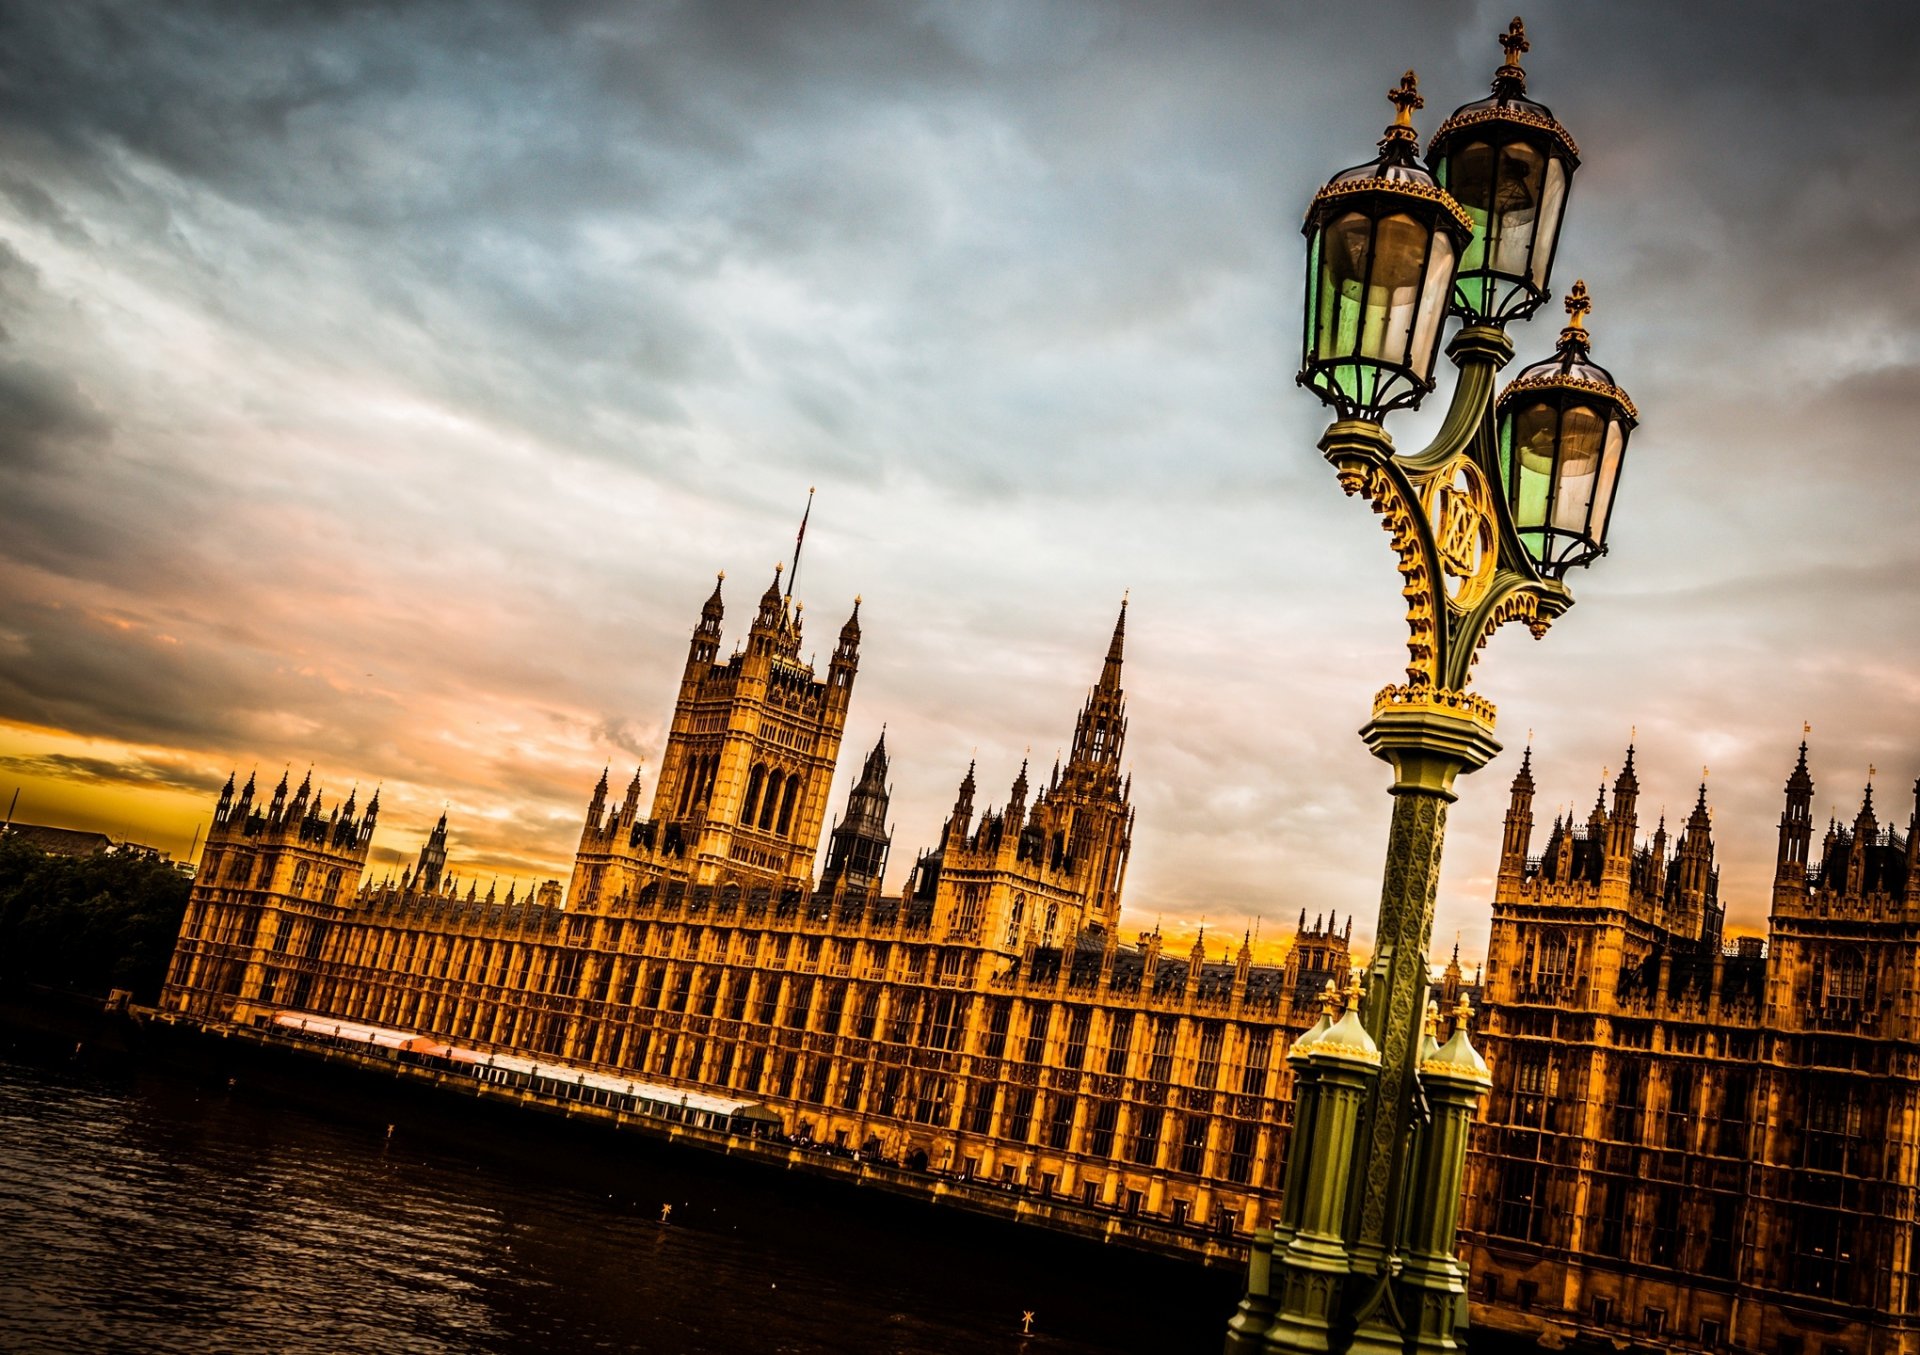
point(1428, 745)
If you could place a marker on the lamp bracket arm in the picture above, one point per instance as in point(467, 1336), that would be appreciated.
point(1512, 597)
point(1479, 351)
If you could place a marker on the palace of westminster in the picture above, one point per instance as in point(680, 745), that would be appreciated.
point(1687, 1144)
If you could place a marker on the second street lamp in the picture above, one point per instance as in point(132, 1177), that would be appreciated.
point(1485, 521)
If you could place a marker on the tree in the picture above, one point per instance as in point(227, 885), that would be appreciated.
point(90, 923)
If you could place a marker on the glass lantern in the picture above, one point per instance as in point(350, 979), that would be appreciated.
point(1383, 241)
point(1563, 428)
point(1509, 163)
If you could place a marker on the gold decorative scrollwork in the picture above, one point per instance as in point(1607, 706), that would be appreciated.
point(1383, 495)
point(1459, 506)
point(1413, 697)
point(1520, 605)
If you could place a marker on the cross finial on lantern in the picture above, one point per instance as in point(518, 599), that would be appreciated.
point(1405, 97)
point(1514, 41)
point(1579, 303)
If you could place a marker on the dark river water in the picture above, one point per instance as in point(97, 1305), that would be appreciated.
point(147, 1207)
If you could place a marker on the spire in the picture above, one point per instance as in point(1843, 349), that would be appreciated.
point(1700, 818)
point(1523, 779)
point(1110, 671)
point(1626, 781)
point(715, 608)
point(875, 769)
point(1865, 822)
point(1800, 778)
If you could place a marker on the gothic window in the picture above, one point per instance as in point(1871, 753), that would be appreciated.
point(999, 1013)
point(1037, 1022)
point(1161, 1067)
point(1828, 1141)
point(1668, 1233)
point(1119, 1036)
point(1019, 1122)
point(754, 783)
point(1077, 1024)
point(1212, 1035)
point(300, 878)
point(1846, 977)
point(1193, 1144)
point(1518, 1204)
point(1060, 1126)
point(786, 804)
point(769, 806)
point(1629, 1096)
point(1679, 1104)
point(1556, 961)
point(1253, 1078)
point(1106, 1114)
point(1240, 1153)
point(1144, 1135)
point(979, 1112)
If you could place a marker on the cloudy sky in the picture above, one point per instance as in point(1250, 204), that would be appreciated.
point(381, 386)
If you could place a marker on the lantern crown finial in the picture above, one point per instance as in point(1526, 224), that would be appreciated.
point(1405, 97)
point(1510, 80)
point(1578, 304)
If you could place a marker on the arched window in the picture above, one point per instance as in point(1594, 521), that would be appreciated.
point(689, 773)
point(1846, 976)
point(786, 803)
point(770, 805)
point(1556, 960)
point(754, 783)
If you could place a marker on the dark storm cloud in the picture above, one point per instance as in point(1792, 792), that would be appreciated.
point(138, 773)
point(380, 383)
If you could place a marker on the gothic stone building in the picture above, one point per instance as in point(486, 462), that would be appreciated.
point(1689, 1145)
point(987, 1021)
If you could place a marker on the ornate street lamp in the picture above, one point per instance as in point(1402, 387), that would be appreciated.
point(1563, 435)
point(1508, 162)
point(1485, 521)
point(1382, 242)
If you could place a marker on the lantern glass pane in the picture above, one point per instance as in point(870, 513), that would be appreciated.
point(1553, 202)
point(1433, 305)
point(1609, 477)
point(1535, 428)
point(1582, 436)
point(1394, 290)
point(1468, 172)
point(1340, 282)
point(1516, 204)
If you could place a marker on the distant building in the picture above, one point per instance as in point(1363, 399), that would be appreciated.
point(58, 841)
point(1684, 1147)
point(1691, 1146)
point(987, 1021)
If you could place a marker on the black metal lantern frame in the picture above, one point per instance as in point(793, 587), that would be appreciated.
point(1509, 164)
point(1383, 243)
point(1563, 430)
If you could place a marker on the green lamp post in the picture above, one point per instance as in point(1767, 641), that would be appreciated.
point(1485, 523)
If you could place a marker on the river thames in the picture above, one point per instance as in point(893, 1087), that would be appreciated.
point(147, 1207)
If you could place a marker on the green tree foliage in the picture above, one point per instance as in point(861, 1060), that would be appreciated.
point(90, 923)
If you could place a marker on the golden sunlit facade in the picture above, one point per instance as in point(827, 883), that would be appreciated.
point(1690, 1143)
point(1693, 1145)
point(986, 1022)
